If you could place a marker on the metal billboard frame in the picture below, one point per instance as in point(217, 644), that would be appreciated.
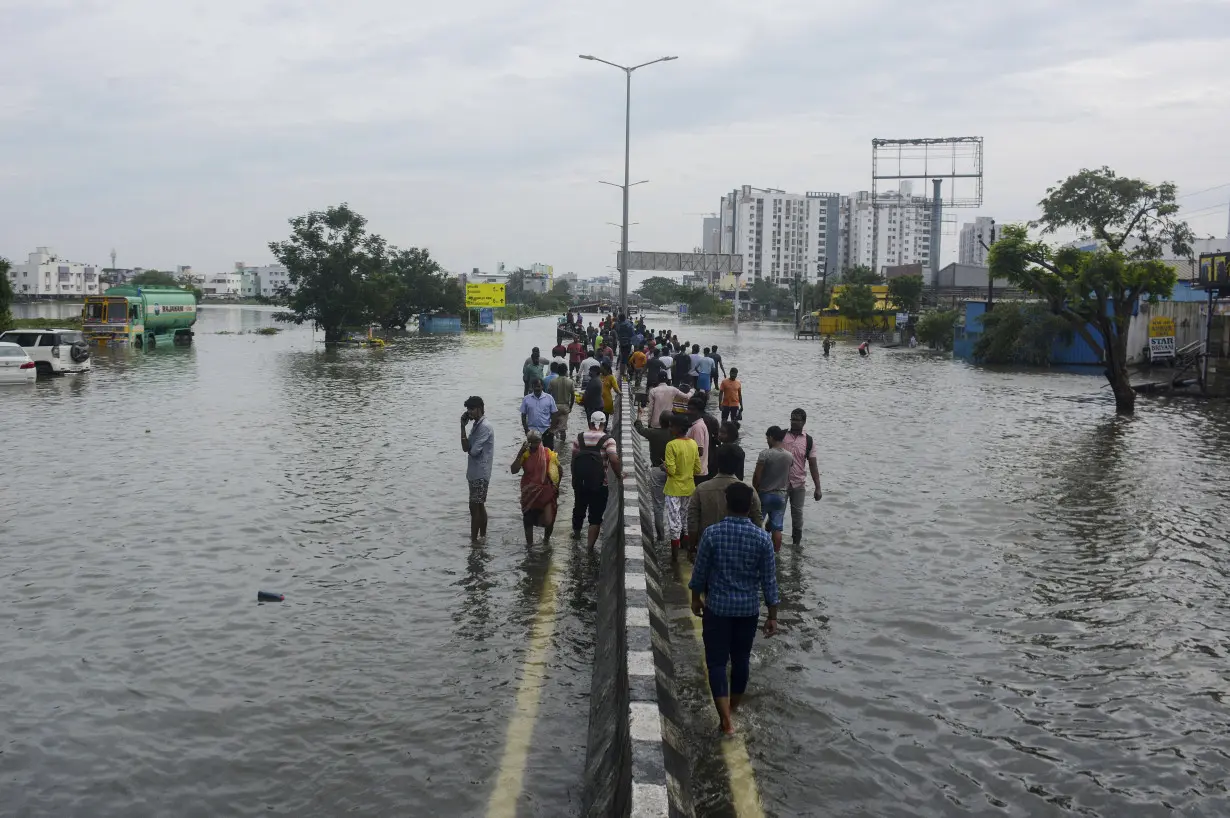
point(710, 263)
point(950, 158)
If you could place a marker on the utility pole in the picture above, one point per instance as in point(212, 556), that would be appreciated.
point(734, 231)
point(623, 255)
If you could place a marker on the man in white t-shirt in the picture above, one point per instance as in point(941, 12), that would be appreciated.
point(589, 363)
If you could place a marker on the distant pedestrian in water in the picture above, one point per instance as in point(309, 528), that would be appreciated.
point(734, 566)
point(539, 468)
point(828, 344)
point(538, 411)
point(591, 400)
point(864, 348)
point(576, 354)
point(913, 341)
point(717, 361)
point(610, 387)
point(704, 372)
point(731, 392)
point(772, 480)
point(531, 369)
point(592, 452)
point(480, 446)
point(801, 445)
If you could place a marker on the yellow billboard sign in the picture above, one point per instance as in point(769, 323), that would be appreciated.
point(484, 295)
point(1161, 326)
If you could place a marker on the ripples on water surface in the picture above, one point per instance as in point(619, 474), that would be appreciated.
point(138, 674)
point(1008, 603)
point(1012, 602)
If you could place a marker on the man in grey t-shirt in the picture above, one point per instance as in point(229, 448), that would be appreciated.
point(772, 479)
point(480, 446)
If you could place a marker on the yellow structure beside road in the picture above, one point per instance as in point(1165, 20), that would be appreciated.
point(484, 295)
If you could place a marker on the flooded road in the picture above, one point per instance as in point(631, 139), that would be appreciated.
point(1009, 601)
point(146, 504)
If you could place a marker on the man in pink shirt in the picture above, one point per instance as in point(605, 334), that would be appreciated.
point(801, 445)
point(662, 399)
point(699, 431)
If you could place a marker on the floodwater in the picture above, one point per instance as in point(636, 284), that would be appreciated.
point(147, 503)
point(1009, 602)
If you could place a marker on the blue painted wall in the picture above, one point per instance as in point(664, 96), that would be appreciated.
point(440, 324)
point(1077, 353)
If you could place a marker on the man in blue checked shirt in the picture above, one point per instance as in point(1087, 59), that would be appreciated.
point(734, 564)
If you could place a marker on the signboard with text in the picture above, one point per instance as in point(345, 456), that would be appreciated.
point(484, 295)
point(486, 316)
point(1161, 338)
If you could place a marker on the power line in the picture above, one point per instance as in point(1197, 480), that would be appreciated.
point(1210, 209)
point(1206, 190)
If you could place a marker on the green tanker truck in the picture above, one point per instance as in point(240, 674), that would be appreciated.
point(141, 316)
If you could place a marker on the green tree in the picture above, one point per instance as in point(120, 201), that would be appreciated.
point(562, 288)
point(1134, 223)
point(6, 296)
point(935, 328)
point(860, 274)
point(658, 290)
point(857, 302)
point(409, 283)
point(703, 302)
point(331, 261)
point(905, 293)
point(1020, 334)
point(768, 296)
point(515, 288)
point(187, 283)
point(154, 278)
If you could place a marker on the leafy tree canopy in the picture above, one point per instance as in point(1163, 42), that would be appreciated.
point(1135, 222)
point(905, 293)
point(857, 302)
point(935, 328)
point(661, 290)
point(6, 296)
point(860, 274)
point(332, 262)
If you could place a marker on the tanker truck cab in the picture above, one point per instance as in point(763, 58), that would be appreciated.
point(143, 317)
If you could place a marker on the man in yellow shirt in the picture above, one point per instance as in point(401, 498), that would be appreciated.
point(682, 464)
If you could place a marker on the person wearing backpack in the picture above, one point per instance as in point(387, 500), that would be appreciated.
point(803, 448)
point(593, 450)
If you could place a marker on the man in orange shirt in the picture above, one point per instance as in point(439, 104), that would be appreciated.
point(638, 360)
point(732, 396)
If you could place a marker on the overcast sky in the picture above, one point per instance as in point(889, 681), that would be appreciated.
point(185, 132)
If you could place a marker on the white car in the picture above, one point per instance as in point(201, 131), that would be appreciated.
point(15, 364)
point(54, 351)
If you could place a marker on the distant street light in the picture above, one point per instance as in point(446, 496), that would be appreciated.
point(623, 256)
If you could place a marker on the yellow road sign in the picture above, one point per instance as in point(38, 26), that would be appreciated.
point(484, 295)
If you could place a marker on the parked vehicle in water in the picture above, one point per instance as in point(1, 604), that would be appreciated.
point(15, 365)
point(54, 351)
point(141, 316)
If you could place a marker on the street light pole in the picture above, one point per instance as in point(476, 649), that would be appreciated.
point(623, 255)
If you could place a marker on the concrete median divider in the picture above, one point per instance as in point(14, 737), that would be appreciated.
point(636, 765)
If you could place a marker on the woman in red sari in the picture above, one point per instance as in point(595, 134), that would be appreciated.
point(539, 467)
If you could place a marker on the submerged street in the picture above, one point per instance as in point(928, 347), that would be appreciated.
point(1009, 601)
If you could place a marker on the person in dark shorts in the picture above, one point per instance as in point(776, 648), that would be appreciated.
point(592, 452)
point(480, 446)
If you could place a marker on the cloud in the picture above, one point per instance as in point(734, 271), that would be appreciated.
point(189, 132)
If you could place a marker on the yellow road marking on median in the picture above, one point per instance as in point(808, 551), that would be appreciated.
point(743, 789)
point(507, 793)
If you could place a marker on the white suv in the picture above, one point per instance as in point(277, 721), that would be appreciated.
point(54, 351)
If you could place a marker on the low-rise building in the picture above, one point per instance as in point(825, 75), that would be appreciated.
point(46, 274)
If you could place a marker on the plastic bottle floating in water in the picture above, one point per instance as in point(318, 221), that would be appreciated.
point(269, 596)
